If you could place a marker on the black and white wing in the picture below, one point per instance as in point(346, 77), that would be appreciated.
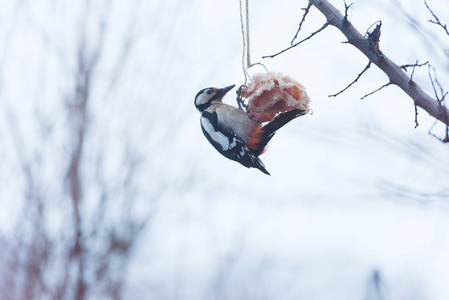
point(228, 143)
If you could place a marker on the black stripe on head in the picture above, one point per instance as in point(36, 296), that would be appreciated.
point(208, 90)
point(203, 107)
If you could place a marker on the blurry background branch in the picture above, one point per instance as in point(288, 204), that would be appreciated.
point(78, 224)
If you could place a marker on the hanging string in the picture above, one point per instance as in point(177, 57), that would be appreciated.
point(245, 38)
point(248, 58)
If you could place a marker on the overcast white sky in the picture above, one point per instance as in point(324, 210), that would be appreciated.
point(354, 188)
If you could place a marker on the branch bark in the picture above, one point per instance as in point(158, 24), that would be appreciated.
point(396, 75)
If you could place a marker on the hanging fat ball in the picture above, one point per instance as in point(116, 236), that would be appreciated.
point(272, 94)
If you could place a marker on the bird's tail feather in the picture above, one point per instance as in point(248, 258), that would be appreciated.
point(260, 137)
point(262, 168)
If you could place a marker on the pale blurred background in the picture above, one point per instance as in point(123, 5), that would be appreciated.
point(109, 190)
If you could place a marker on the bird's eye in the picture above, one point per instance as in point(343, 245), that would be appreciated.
point(209, 91)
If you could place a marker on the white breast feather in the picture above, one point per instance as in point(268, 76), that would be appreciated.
point(215, 135)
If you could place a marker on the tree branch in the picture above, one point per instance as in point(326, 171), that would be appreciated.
point(303, 40)
point(436, 21)
point(394, 72)
point(414, 66)
point(354, 81)
point(306, 11)
point(376, 90)
point(416, 117)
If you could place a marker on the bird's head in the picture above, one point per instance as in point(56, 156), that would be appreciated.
point(208, 96)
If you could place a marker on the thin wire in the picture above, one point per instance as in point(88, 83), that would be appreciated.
point(257, 63)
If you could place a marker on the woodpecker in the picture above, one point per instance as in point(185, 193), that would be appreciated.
point(232, 132)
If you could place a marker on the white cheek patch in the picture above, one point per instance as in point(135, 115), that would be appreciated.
point(202, 99)
point(217, 136)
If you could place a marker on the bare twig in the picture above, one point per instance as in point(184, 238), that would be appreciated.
point(306, 11)
point(376, 90)
point(436, 20)
point(294, 45)
point(375, 288)
point(413, 65)
point(373, 38)
point(443, 94)
point(404, 67)
point(347, 7)
point(406, 192)
point(411, 76)
point(416, 116)
point(446, 138)
point(441, 101)
point(354, 81)
point(432, 82)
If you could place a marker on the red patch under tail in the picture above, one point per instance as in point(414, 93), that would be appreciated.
point(256, 141)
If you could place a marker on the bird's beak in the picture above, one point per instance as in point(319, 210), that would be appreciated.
point(223, 91)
